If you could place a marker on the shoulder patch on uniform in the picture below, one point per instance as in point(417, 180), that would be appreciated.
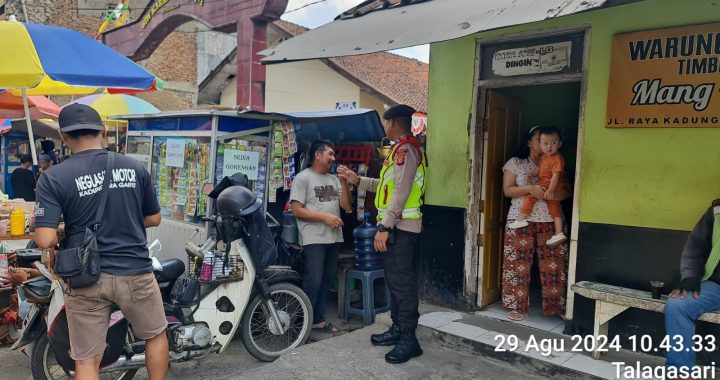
point(401, 156)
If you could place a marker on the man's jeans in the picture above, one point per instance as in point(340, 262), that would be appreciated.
point(680, 317)
point(24, 306)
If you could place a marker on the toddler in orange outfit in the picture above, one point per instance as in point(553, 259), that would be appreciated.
point(552, 178)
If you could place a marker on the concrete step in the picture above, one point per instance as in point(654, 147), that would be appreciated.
point(541, 353)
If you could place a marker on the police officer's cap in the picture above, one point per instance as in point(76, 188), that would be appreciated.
point(400, 110)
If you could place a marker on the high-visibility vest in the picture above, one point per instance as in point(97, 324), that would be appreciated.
point(386, 187)
point(714, 258)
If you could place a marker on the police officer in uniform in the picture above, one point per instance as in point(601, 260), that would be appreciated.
point(398, 197)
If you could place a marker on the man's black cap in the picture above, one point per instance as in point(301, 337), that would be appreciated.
point(400, 110)
point(76, 116)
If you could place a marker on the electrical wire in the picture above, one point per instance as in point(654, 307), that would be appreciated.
point(305, 6)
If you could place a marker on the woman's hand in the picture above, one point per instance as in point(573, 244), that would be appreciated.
point(549, 195)
point(537, 191)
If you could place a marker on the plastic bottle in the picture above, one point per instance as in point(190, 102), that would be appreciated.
point(366, 258)
point(206, 271)
point(17, 222)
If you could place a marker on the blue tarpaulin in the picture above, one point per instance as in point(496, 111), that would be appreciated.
point(357, 125)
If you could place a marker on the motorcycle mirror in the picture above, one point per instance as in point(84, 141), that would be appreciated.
point(155, 246)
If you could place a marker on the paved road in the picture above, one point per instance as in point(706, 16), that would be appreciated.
point(348, 356)
point(235, 360)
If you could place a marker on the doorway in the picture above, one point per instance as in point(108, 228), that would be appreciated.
point(509, 114)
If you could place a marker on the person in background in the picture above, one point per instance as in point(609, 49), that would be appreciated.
point(15, 277)
point(44, 163)
point(316, 197)
point(522, 246)
point(698, 291)
point(47, 147)
point(23, 180)
point(398, 198)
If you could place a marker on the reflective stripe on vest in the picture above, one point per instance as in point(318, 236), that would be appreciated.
point(386, 187)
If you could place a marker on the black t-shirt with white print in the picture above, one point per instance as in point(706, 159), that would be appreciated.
point(72, 189)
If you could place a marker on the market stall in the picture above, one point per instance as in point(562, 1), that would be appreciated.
point(187, 150)
point(16, 142)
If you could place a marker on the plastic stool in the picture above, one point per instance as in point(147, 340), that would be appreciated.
point(344, 265)
point(368, 295)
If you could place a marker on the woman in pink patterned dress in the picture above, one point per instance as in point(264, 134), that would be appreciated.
point(522, 246)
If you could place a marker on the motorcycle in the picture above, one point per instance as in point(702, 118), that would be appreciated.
point(229, 289)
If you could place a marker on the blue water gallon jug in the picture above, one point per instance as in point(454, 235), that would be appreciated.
point(366, 258)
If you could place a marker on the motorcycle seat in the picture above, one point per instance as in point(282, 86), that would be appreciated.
point(171, 270)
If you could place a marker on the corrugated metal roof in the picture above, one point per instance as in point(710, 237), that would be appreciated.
point(421, 23)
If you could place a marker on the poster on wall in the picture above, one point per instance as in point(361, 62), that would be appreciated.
point(241, 161)
point(175, 153)
point(665, 78)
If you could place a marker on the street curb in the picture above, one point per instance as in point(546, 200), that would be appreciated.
point(517, 360)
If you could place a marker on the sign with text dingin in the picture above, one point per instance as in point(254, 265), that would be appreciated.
point(665, 78)
point(241, 161)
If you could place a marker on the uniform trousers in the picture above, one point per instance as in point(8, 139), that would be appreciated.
point(402, 263)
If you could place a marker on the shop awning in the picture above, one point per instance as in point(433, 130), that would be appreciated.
point(421, 23)
point(41, 128)
point(356, 125)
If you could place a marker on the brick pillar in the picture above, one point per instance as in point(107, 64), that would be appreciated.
point(251, 39)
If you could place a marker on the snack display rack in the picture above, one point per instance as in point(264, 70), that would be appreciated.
point(188, 152)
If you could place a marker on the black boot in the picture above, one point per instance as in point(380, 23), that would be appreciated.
point(388, 338)
point(406, 348)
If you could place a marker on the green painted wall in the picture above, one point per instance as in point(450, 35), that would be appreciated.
point(660, 178)
point(447, 144)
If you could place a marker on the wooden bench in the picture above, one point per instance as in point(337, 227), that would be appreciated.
point(612, 300)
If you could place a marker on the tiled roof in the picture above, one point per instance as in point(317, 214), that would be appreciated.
point(395, 78)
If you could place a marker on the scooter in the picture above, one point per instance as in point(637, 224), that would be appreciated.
point(225, 292)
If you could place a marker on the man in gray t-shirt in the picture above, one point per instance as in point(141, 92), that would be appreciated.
point(319, 193)
point(316, 197)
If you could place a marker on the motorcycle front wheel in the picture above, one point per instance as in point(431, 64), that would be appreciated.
point(260, 335)
point(45, 367)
